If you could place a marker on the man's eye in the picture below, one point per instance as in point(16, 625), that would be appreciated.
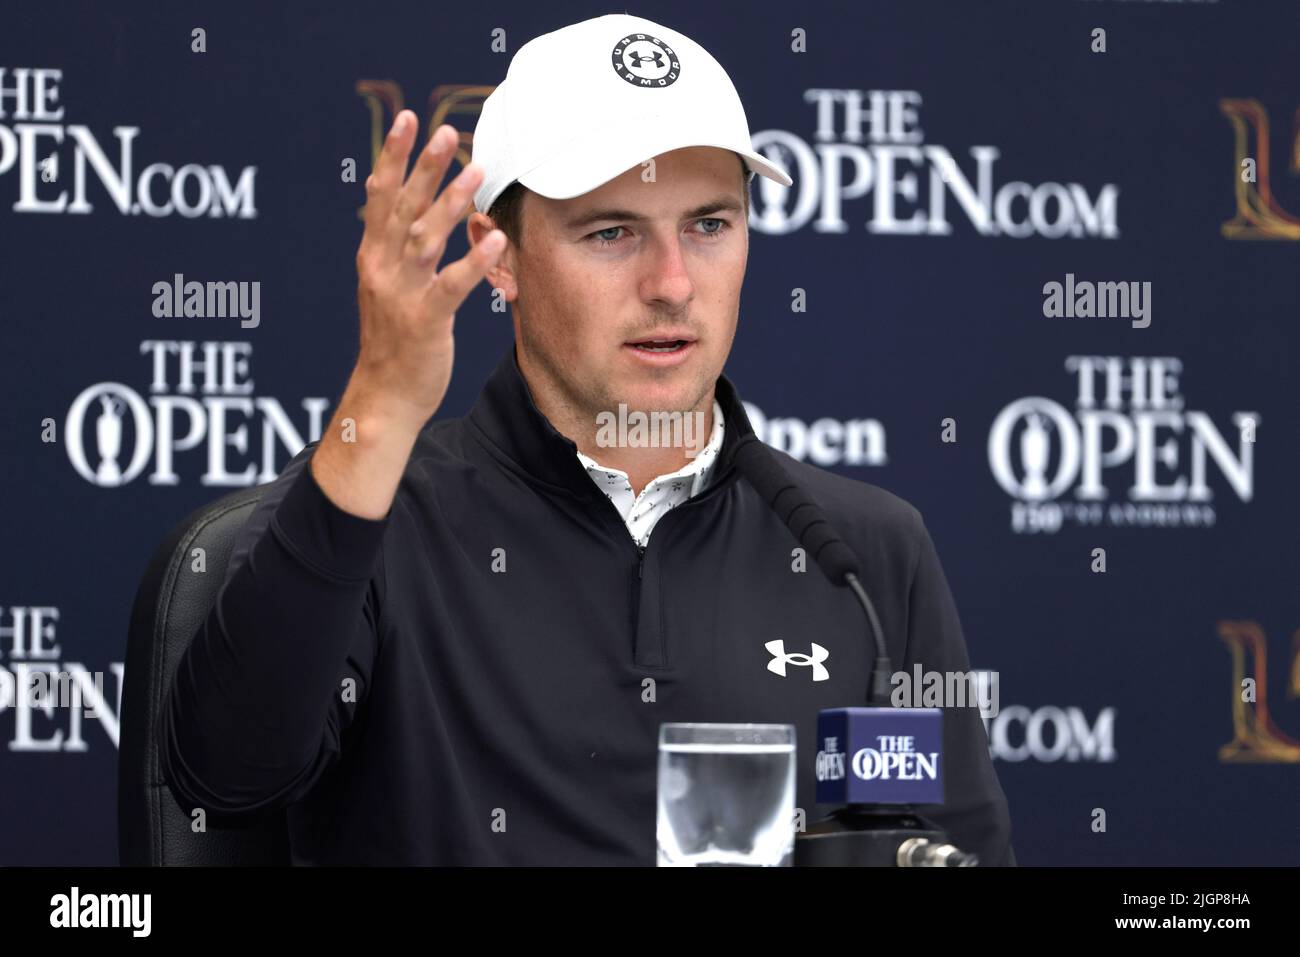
point(721, 226)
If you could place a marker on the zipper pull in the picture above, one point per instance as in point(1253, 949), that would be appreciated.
point(640, 560)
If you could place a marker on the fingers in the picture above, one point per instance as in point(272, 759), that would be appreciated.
point(414, 198)
point(456, 281)
point(427, 236)
point(384, 183)
point(408, 228)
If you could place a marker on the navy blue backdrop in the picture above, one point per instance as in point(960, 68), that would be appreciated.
point(949, 160)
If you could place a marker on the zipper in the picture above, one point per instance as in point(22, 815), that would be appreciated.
point(715, 488)
point(723, 481)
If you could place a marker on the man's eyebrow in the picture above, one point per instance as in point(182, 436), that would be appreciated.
point(582, 220)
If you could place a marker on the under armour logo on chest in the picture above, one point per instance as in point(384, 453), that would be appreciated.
point(780, 659)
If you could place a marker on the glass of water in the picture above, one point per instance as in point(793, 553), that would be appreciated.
point(726, 795)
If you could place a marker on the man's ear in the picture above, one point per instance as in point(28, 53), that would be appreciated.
point(502, 275)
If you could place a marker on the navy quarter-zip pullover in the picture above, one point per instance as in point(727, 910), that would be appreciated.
point(479, 677)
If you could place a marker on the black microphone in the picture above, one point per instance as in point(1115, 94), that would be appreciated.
point(875, 826)
point(812, 530)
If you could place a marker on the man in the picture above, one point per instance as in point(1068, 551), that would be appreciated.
point(453, 642)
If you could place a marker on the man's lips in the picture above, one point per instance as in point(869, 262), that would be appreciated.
point(662, 337)
point(661, 350)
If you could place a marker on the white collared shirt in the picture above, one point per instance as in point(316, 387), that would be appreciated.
point(641, 512)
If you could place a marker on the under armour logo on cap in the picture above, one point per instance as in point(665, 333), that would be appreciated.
point(646, 61)
point(781, 659)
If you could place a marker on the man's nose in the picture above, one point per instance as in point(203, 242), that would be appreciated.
point(667, 276)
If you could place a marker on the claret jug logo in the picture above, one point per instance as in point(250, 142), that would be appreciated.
point(1130, 435)
point(200, 397)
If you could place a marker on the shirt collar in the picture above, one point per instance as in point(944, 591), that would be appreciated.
point(693, 477)
point(506, 419)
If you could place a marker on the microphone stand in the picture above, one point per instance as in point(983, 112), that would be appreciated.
point(854, 835)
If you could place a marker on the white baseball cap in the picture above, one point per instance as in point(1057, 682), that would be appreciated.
point(583, 104)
